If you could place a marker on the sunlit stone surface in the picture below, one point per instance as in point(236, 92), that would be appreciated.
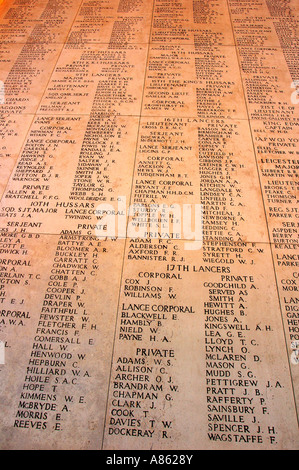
point(149, 224)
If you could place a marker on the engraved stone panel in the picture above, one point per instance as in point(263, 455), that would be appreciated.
point(96, 79)
point(115, 22)
point(214, 386)
point(191, 22)
point(69, 165)
point(37, 22)
point(193, 81)
point(13, 130)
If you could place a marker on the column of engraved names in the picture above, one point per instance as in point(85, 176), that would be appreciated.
point(183, 318)
point(191, 22)
point(169, 103)
point(165, 172)
point(32, 21)
point(145, 378)
point(58, 359)
point(31, 39)
point(103, 132)
point(236, 402)
point(168, 94)
point(145, 385)
point(61, 330)
point(55, 386)
point(24, 74)
point(273, 108)
point(68, 344)
point(97, 141)
point(118, 23)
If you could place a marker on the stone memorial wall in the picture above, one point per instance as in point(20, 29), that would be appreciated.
point(149, 224)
